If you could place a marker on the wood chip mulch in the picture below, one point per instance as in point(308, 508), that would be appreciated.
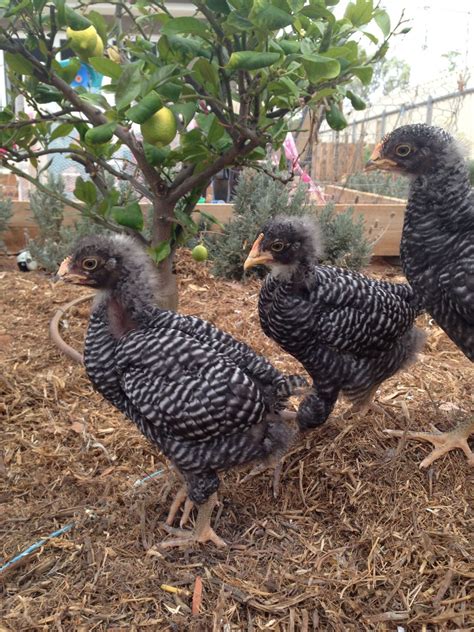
point(359, 539)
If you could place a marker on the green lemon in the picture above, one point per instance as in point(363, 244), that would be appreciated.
point(83, 42)
point(160, 128)
point(199, 253)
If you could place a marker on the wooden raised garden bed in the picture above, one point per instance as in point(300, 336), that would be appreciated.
point(385, 218)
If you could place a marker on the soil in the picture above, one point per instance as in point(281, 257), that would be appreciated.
point(359, 539)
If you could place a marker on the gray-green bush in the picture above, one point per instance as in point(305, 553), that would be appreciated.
point(258, 197)
point(5, 216)
point(378, 182)
point(54, 241)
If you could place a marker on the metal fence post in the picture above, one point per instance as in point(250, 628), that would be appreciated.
point(429, 110)
point(383, 123)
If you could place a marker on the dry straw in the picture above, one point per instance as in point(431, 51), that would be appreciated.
point(359, 539)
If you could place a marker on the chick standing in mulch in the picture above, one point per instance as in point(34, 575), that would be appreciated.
point(349, 331)
point(437, 247)
point(207, 400)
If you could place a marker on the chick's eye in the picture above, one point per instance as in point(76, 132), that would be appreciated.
point(403, 150)
point(277, 246)
point(89, 264)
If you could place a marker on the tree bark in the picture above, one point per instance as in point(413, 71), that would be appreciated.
point(162, 228)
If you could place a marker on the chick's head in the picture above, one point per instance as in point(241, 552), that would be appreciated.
point(286, 242)
point(414, 150)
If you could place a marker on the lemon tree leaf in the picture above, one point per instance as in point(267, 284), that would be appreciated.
point(18, 64)
point(318, 67)
point(106, 67)
point(129, 85)
point(364, 73)
point(185, 26)
point(359, 12)
point(251, 60)
point(270, 17)
point(130, 215)
point(383, 21)
point(160, 252)
point(85, 191)
point(61, 130)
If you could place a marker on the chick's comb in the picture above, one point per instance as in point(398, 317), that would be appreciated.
point(64, 267)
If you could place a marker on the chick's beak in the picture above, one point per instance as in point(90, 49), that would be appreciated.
point(256, 256)
point(377, 162)
point(67, 275)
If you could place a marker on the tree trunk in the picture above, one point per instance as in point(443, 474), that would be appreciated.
point(162, 228)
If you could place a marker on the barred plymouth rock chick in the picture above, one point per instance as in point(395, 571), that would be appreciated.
point(437, 248)
point(350, 332)
point(208, 401)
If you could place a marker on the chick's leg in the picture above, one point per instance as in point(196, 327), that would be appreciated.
point(202, 532)
point(178, 500)
point(443, 441)
point(276, 463)
point(365, 402)
point(312, 412)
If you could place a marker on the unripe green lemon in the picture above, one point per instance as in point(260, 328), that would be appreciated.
point(160, 128)
point(83, 42)
point(199, 253)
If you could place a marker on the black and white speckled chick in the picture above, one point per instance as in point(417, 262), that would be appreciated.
point(350, 332)
point(208, 401)
point(437, 248)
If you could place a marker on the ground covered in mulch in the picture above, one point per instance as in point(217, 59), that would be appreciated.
point(359, 539)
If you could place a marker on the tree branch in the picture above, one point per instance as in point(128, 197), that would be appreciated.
point(122, 175)
point(214, 104)
point(95, 116)
point(42, 187)
point(57, 116)
point(184, 174)
point(238, 150)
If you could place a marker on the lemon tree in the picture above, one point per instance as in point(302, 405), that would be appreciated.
point(185, 96)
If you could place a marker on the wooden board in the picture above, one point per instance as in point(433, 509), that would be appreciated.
point(383, 223)
point(344, 195)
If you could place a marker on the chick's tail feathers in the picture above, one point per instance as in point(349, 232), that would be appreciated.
point(291, 385)
point(278, 438)
point(413, 342)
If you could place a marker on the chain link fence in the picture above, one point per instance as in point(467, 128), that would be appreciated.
point(339, 157)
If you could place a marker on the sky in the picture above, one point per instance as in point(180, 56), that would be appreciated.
point(438, 26)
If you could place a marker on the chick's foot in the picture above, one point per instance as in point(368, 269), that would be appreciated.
point(202, 532)
point(443, 441)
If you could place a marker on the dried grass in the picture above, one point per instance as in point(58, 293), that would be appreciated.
point(360, 538)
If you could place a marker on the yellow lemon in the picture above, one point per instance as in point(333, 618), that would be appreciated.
point(99, 48)
point(160, 128)
point(199, 253)
point(114, 54)
point(83, 42)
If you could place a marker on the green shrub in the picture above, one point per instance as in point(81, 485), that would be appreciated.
point(5, 216)
point(344, 238)
point(54, 241)
point(258, 197)
point(470, 166)
point(379, 183)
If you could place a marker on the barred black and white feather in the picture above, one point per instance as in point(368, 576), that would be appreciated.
point(207, 400)
point(437, 247)
point(350, 332)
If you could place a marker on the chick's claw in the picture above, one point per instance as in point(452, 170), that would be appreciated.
point(202, 532)
point(188, 538)
point(443, 441)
